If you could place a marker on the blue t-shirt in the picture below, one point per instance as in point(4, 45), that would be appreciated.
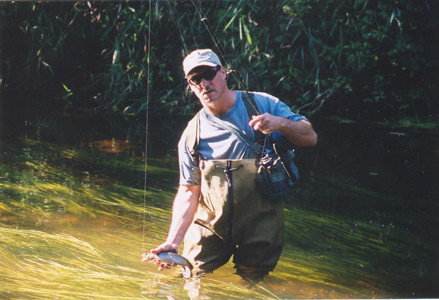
point(219, 143)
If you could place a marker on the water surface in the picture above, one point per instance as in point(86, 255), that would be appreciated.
point(75, 218)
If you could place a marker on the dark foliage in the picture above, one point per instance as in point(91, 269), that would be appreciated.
point(358, 59)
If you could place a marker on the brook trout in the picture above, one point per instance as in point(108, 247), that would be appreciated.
point(169, 257)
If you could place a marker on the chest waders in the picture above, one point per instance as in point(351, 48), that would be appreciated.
point(234, 219)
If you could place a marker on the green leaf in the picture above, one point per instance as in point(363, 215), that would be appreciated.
point(230, 23)
point(66, 88)
point(247, 34)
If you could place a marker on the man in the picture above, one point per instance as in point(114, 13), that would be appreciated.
point(218, 210)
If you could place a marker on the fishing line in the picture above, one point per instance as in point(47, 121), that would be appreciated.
point(146, 123)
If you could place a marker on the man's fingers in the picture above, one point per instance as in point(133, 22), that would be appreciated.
point(256, 122)
point(260, 122)
point(253, 120)
point(165, 266)
point(261, 125)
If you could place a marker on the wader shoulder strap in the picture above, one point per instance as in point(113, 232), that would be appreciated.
point(193, 134)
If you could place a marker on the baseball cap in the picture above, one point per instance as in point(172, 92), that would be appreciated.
point(200, 57)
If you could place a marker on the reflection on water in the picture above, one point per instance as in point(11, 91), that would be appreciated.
point(362, 223)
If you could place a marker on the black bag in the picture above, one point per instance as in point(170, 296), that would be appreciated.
point(277, 173)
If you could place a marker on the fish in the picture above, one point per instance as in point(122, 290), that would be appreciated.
point(169, 257)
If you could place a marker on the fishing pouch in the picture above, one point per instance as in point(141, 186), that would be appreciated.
point(277, 173)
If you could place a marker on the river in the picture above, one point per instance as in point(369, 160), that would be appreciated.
point(77, 210)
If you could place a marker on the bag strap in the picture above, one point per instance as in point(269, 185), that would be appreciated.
point(252, 110)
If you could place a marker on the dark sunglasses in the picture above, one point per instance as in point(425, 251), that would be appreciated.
point(208, 74)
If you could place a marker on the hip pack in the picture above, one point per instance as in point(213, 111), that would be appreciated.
point(277, 173)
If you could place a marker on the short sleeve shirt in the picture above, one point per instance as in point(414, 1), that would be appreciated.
point(220, 143)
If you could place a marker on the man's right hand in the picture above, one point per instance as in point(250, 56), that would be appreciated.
point(164, 247)
point(183, 212)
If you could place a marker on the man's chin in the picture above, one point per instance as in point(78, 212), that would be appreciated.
point(208, 96)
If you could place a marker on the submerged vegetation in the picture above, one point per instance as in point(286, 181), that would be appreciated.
point(73, 223)
point(35, 186)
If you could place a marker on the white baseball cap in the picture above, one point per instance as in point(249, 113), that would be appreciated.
point(200, 57)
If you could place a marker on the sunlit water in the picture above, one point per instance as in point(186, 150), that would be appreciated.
point(75, 219)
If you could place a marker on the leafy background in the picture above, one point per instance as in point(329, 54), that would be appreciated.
point(369, 60)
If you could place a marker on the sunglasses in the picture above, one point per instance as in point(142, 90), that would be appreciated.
point(208, 74)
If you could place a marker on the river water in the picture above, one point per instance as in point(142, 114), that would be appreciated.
point(77, 212)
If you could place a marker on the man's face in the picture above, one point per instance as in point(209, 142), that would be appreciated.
point(208, 83)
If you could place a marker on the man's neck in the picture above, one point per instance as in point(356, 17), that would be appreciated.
point(222, 105)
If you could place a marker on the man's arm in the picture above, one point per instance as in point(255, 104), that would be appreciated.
point(183, 212)
point(299, 133)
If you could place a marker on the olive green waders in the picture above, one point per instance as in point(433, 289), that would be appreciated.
point(233, 218)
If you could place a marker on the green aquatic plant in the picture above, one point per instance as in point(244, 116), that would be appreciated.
point(72, 228)
point(37, 265)
point(33, 189)
point(67, 234)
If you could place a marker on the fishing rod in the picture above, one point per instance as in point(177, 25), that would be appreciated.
point(222, 52)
